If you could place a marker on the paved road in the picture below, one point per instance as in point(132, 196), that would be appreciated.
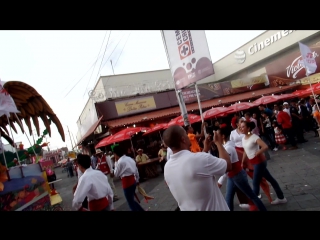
point(297, 171)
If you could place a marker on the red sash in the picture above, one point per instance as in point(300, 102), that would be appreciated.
point(128, 181)
point(258, 159)
point(103, 166)
point(98, 204)
point(236, 168)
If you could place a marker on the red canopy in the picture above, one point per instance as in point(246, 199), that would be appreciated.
point(266, 100)
point(286, 96)
point(300, 93)
point(314, 87)
point(124, 134)
point(157, 127)
point(179, 120)
point(241, 106)
point(104, 142)
point(214, 112)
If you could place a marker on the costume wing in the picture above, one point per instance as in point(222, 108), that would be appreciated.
point(31, 106)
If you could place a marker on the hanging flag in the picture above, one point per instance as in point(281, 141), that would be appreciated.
point(188, 56)
point(7, 104)
point(308, 59)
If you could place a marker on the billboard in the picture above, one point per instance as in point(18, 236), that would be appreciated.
point(188, 55)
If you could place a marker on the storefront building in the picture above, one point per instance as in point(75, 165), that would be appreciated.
point(268, 64)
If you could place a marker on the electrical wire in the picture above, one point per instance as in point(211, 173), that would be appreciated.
point(103, 56)
point(122, 50)
point(97, 60)
point(112, 53)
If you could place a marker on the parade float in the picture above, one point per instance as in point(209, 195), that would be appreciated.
point(25, 187)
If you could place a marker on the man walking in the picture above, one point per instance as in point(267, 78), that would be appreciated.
point(285, 121)
point(104, 164)
point(93, 185)
point(126, 169)
point(191, 176)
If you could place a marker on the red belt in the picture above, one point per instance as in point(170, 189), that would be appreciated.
point(98, 204)
point(257, 159)
point(128, 181)
point(240, 148)
point(236, 168)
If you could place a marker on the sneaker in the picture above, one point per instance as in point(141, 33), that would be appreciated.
point(275, 149)
point(279, 201)
point(260, 196)
point(245, 206)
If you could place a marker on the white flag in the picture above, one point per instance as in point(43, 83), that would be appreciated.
point(308, 59)
point(188, 56)
point(7, 104)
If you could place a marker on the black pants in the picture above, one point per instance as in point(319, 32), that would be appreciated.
point(289, 133)
point(85, 203)
point(162, 164)
point(298, 128)
point(70, 170)
point(269, 135)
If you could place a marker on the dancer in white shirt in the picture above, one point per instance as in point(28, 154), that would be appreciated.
point(126, 169)
point(93, 185)
point(191, 176)
point(253, 153)
point(237, 177)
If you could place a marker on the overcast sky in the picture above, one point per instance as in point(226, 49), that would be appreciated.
point(64, 65)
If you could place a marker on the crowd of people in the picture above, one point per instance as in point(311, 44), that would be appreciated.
point(192, 161)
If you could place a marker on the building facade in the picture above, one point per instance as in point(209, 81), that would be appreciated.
point(265, 65)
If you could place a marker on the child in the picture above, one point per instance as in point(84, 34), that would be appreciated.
point(280, 138)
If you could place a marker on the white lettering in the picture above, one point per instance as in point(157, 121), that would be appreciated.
point(250, 48)
point(267, 42)
point(256, 47)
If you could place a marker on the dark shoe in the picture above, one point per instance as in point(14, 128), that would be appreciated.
point(115, 199)
point(293, 148)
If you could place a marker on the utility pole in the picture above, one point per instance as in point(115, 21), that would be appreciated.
point(70, 137)
point(112, 66)
point(74, 141)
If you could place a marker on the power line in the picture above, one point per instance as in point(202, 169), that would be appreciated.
point(97, 60)
point(103, 55)
point(112, 52)
point(122, 50)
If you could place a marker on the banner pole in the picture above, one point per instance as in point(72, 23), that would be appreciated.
point(314, 96)
point(14, 142)
point(182, 105)
point(4, 156)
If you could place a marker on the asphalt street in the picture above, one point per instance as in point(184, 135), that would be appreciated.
point(297, 171)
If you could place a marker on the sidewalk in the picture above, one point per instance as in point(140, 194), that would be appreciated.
point(297, 172)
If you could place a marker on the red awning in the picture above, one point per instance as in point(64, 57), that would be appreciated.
point(90, 131)
point(194, 106)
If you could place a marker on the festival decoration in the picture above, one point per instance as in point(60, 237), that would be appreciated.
point(29, 105)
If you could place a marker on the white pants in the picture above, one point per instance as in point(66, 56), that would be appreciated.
point(110, 180)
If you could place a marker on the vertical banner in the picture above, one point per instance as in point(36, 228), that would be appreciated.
point(188, 56)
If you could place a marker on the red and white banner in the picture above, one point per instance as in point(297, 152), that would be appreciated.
point(188, 56)
point(7, 104)
point(308, 59)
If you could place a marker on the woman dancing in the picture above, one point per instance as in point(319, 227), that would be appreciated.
point(237, 177)
point(254, 148)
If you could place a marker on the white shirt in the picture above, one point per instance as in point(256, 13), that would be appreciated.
point(79, 173)
point(230, 148)
point(169, 153)
point(191, 180)
point(126, 166)
point(236, 138)
point(250, 145)
point(109, 162)
point(287, 110)
point(93, 185)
